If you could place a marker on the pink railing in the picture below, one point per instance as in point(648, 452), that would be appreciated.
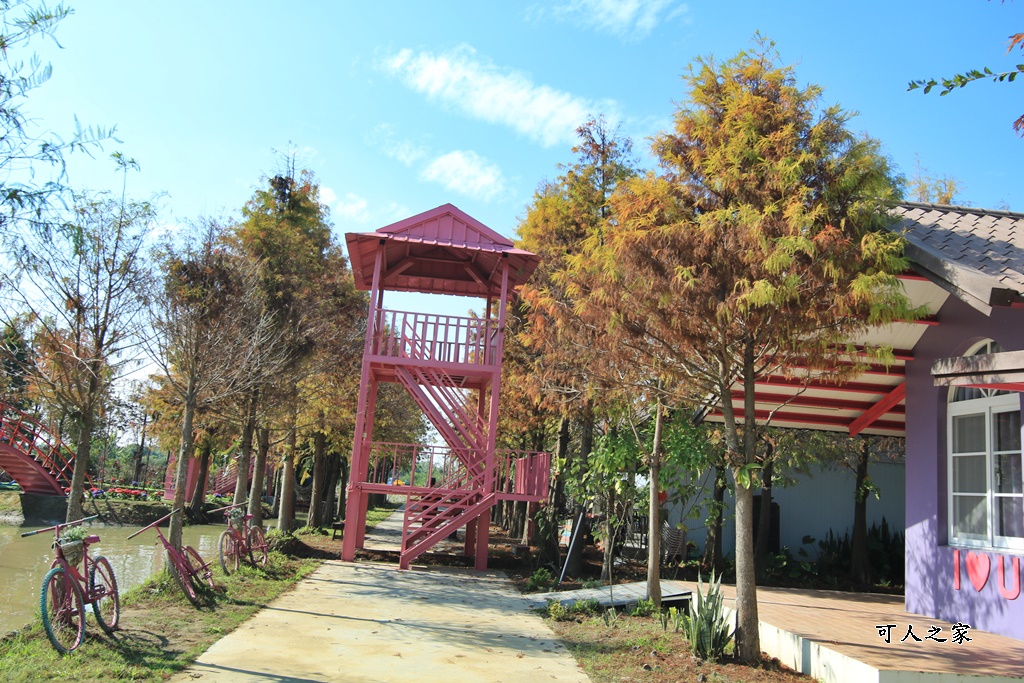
point(438, 338)
point(416, 464)
point(518, 474)
point(447, 402)
point(523, 475)
point(36, 441)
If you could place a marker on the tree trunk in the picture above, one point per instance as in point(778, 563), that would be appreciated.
point(181, 471)
point(764, 521)
point(84, 445)
point(286, 515)
point(142, 449)
point(275, 509)
point(713, 542)
point(331, 496)
point(316, 496)
point(748, 647)
point(549, 544)
point(609, 538)
point(245, 451)
point(654, 520)
point(343, 487)
point(574, 560)
point(748, 639)
point(256, 490)
point(518, 526)
point(860, 565)
point(195, 507)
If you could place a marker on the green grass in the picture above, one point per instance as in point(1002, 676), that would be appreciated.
point(161, 632)
point(375, 516)
point(10, 501)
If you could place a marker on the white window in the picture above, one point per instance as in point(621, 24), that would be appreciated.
point(986, 481)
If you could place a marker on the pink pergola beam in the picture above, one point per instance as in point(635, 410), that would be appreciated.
point(871, 415)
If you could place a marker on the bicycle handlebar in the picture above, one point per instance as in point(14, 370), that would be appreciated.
point(153, 524)
point(60, 526)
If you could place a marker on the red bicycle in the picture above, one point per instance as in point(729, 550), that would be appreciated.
point(187, 566)
point(241, 540)
point(66, 590)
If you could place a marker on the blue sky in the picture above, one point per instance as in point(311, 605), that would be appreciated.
point(401, 106)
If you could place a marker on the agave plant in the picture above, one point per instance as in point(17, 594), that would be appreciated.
point(708, 628)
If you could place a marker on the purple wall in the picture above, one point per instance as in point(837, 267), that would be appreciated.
point(929, 561)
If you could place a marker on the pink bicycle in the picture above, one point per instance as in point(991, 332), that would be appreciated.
point(241, 540)
point(187, 566)
point(66, 590)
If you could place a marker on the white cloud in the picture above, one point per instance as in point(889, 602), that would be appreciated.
point(405, 152)
point(625, 19)
point(353, 208)
point(465, 172)
point(465, 81)
point(327, 195)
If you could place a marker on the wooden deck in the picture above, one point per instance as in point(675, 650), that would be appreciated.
point(834, 636)
point(672, 592)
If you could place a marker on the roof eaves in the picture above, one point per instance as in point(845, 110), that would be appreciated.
point(966, 284)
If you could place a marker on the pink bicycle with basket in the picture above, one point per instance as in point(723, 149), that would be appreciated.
point(66, 589)
point(241, 540)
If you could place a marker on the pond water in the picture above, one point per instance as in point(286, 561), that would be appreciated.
point(25, 561)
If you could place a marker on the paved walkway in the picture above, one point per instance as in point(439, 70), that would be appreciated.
point(363, 622)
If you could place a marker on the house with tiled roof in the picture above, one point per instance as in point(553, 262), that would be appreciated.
point(965, 491)
point(954, 391)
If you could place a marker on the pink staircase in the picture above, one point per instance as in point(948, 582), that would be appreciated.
point(34, 456)
point(451, 367)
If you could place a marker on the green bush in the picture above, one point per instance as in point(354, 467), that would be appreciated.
point(558, 611)
point(540, 581)
point(581, 608)
point(707, 628)
point(644, 608)
point(589, 608)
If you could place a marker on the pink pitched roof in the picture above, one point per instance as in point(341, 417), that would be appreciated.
point(441, 251)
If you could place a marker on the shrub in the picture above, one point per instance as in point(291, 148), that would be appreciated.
point(540, 581)
point(708, 628)
point(644, 608)
point(590, 607)
point(558, 611)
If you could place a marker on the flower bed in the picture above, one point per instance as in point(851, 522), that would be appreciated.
point(126, 494)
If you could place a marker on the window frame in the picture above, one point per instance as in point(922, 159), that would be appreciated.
point(989, 405)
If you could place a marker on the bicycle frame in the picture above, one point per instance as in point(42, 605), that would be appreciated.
point(237, 541)
point(156, 527)
point(89, 593)
point(240, 534)
point(186, 563)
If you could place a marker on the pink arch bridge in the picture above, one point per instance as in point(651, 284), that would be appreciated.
point(33, 455)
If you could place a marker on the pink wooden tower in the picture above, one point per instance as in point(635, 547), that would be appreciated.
point(451, 366)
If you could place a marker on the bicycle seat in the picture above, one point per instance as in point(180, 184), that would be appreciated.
point(92, 539)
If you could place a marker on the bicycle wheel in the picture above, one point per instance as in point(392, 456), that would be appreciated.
point(228, 552)
point(183, 577)
point(103, 586)
point(257, 547)
point(63, 610)
point(201, 572)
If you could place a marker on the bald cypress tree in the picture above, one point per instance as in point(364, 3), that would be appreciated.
point(759, 242)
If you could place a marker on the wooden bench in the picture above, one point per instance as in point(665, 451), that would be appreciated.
point(335, 528)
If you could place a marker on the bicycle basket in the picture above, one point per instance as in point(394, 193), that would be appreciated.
point(235, 517)
point(73, 551)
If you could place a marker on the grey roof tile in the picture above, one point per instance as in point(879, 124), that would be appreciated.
point(986, 245)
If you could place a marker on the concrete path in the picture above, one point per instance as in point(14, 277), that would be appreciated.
point(363, 622)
